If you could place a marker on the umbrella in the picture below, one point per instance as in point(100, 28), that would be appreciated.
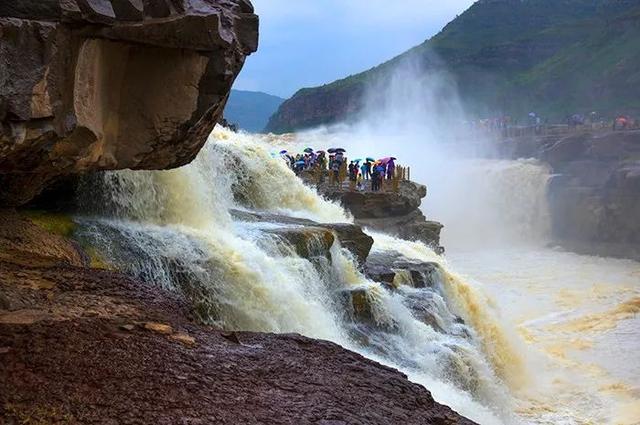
point(394, 158)
point(336, 150)
point(383, 161)
point(282, 152)
point(357, 160)
point(319, 151)
point(300, 163)
point(369, 159)
point(308, 150)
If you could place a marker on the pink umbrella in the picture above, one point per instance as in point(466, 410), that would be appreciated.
point(384, 161)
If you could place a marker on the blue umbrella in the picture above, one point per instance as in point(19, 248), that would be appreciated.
point(308, 150)
point(300, 162)
point(282, 152)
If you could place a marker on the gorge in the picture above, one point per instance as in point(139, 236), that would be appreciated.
point(156, 267)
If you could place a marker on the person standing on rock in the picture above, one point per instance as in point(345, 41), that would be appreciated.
point(391, 169)
point(375, 178)
point(366, 170)
point(335, 167)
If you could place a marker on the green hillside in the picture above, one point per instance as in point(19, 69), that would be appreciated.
point(251, 110)
point(555, 57)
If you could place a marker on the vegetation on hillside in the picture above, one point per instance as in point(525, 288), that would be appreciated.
point(510, 57)
point(251, 110)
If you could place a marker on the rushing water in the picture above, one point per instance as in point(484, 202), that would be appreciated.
point(571, 320)
point(576, 315)
point(505, 364)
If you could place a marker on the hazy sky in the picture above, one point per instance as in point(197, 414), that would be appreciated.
point(306, 43)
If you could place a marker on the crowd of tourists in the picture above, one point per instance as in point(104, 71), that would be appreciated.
point(335, 163)
point(535, 124)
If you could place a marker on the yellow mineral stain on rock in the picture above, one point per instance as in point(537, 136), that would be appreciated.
point(184, 339)
point(159, 328)
point(59, 224)
point(96, 259)
point(23, 317)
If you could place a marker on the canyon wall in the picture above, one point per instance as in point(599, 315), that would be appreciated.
point(594, 193)
point(90, 85)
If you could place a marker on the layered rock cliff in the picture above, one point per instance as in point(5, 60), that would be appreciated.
point(91, 85)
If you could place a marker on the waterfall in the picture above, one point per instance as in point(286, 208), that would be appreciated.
point(175, 229)
point(490, 202)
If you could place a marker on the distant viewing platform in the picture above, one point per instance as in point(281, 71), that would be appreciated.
point(507, 128)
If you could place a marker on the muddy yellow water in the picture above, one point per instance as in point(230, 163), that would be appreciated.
point(577, 318)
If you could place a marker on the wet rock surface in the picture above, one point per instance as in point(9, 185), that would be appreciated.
point(350, 236)
point(80, 345)
point(112, 84)
point(392, 270)
point(397, 213)
point(594, 193)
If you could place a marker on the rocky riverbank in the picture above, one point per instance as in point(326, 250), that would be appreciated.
point(91, 85)
point(594, 192)
point(395, 212)
point(80, 345)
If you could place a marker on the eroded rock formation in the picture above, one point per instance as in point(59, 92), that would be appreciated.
point(91, 85)
point(311, 238)
point(397, 213)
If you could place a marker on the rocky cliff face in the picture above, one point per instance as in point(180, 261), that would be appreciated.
point(397, 213)
point(594, 193)
point(111, 84)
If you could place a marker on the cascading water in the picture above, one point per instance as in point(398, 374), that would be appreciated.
point(560, 312)
point(175, 229)
point(565, 343)
point(491, 203)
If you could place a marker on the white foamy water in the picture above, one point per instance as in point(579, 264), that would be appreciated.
point(567, 324)
point(539, 324)
point(174, 229)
